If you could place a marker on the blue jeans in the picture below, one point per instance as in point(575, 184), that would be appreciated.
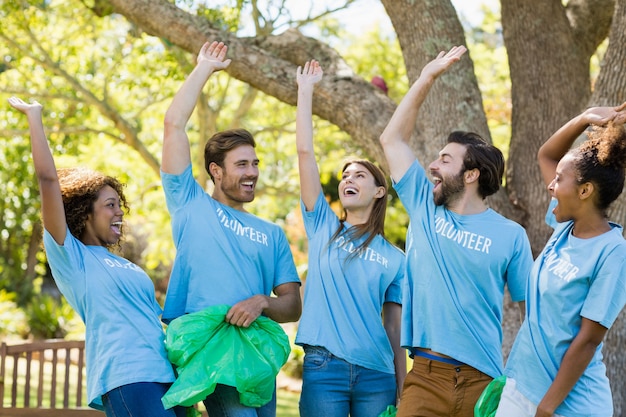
point(142, 399)
point(224, 402)
point(332, 387)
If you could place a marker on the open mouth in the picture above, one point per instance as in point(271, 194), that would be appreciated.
point(117, 228)
point(350, 191)
point(249, 185)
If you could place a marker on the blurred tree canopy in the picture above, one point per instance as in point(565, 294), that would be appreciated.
point(105, 87)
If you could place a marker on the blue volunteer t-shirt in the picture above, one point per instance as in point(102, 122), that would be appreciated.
point(457, 267)
point(343, 299)
point(124, 340)
point(223, 255)
point(572, 278)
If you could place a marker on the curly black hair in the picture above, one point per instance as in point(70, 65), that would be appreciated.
point(601, 160)
point(80, 188)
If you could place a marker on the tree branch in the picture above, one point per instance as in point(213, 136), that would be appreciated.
point(269, 64)
point(590, 21)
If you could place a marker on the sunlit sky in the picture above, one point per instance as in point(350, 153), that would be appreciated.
point(366, 13)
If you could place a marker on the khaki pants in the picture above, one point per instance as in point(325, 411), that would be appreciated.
point(433, 389)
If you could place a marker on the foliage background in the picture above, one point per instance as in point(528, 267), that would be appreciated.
point(105, 87)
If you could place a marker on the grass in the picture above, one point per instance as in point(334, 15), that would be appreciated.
point(287, 403)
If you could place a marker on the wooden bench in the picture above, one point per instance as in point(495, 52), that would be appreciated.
point(48, 378)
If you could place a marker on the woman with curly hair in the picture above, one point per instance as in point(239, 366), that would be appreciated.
point(127, 367)
point(577, 286)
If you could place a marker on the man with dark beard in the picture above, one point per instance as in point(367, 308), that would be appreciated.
point(460, 256)
point(224, 255)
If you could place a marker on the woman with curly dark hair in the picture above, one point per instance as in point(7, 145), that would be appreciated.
point(577, 286)
point(127, 367)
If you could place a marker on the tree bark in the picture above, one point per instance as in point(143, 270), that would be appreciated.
point(610, 89)
point(550, 72)
point(454, 103)
point(544, 93)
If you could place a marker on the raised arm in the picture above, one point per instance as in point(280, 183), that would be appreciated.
point(310, 186)
point(176, 155)
point(551, 152)
point(52, 210)
point(395, 137)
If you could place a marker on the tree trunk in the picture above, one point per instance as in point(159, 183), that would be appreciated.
point(545, 94)
point(610, 89)
point(454, 103)
point(558, 84)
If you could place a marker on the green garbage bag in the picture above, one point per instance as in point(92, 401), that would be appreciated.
point(488, 401)
point(389, 412)
point(206, 350)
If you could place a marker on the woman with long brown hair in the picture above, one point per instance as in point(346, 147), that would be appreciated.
point(353, 362)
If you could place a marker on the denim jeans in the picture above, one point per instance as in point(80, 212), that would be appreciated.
point(142, 399)
point(332, 387)
point(224, 402)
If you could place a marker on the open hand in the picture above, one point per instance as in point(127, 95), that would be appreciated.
point(214, 54)
point(602, 115)
point(309, 75)
point(443, 61)
point(24, 107)
point(620, 117)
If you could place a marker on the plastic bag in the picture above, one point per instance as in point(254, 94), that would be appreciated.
point(487, 403)
point(389, 412)
point(192, 412)
point(206, 351)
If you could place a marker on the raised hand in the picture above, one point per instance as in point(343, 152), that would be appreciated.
point(176, 154)
point(214, 53)
point(26, 108)
point(52, 209)
point(620, 118)
point(443, 61)
point(309, 75)
point(602, 115)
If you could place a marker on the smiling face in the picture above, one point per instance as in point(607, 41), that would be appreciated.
point(565, 188)
point(103, 226)
point(447, 174)
point(358, 189)
point(235, 182)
